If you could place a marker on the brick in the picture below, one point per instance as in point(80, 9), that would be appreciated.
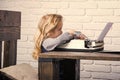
point(85, 79)
point(115, 34)
point(113, 76)
point(26, 31)
point(90, 79)
point(74, 0)
point(23, 38)
point(30, 24)
point(75, 26)
point(116, 41)
point(6, 4)
point(77, 19)
point(54, 5)
point(25, 44)
point(22, 44)
point(22, 50)
point(112, 47)
point(86, 62)
point(27, 4)
point(30, 44)
point(81, 67)
point(31, 38)
point(85, 74)
point(106, 19)
point(116, 69)
point(93, 26)
point(71, 12)
point(104, 0)
point(117, 12)
point(116, 27)
point(42, 11)
point(97, 68)
point(100, 62)
point(30, 51)
point(88, 5)
point(99, 12)
point(109, 5)
point(54, 0)
point(107, 41)
point(98, 79)
point(30, 18)
point(26, 57)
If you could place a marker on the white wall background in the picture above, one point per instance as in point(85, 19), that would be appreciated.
point(88, 16)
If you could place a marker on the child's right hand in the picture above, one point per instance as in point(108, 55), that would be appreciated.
point(82, 36)
point(76, 34)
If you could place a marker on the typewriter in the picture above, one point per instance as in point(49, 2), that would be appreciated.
point(87, 44)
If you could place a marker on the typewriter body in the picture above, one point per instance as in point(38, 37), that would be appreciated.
point(82, 45)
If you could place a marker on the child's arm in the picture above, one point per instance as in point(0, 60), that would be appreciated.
point(50, 43)
point(77, 34)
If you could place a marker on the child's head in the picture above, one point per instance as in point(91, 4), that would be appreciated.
point(49, 26)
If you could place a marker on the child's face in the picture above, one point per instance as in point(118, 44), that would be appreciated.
point(57, 31)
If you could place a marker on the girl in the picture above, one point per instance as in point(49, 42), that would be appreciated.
point(50, 34)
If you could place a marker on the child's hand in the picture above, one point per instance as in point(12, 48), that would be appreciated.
point(79, 35)
point(82, 36)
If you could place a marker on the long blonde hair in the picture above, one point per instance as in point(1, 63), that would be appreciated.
point(48, 23)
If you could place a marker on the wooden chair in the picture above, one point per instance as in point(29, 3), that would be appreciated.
point(10, 22)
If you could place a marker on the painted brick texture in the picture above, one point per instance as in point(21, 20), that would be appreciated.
point(88, 16)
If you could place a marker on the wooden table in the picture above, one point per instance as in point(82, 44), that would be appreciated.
point(49, 63)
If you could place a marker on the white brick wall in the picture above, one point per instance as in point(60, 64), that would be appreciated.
point(88, 16)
